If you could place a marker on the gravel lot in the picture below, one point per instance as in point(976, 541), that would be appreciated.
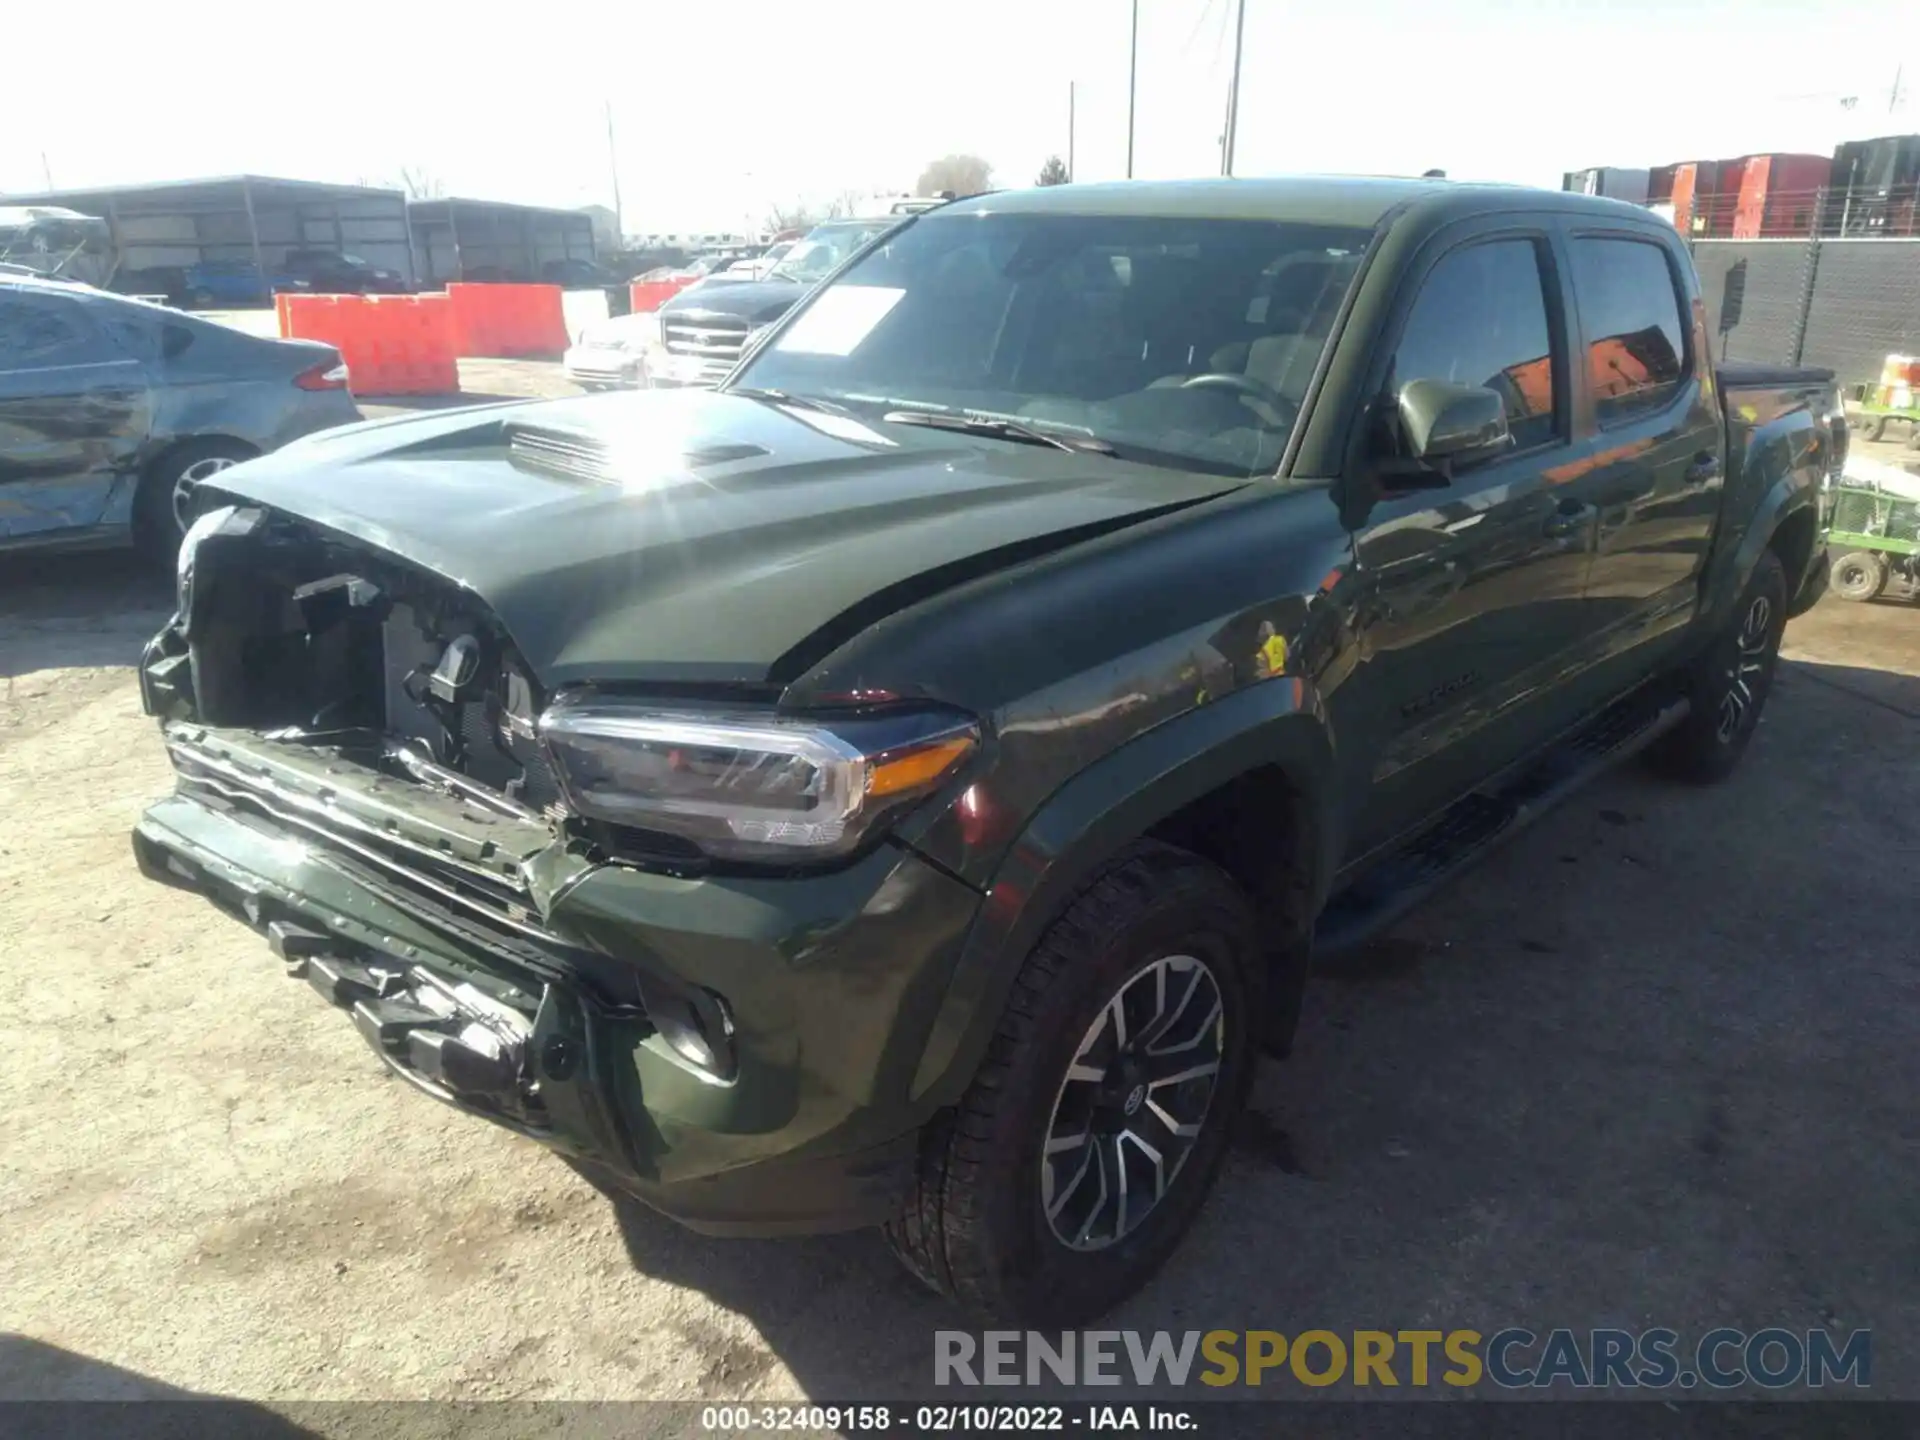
point(1655, 1065)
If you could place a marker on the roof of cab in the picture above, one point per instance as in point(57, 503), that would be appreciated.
point(1352, 200)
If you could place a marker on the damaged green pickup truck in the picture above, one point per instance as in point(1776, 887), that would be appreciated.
point(906, 785)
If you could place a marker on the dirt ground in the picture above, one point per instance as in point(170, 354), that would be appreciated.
point(1654, 1065)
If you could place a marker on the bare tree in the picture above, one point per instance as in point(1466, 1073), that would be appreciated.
point(962, 174)
point(1054, 172)
point(421, 183)
point(847, 204)
point(797, 215)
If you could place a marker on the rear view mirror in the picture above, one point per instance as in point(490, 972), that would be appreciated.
point(1446, 424)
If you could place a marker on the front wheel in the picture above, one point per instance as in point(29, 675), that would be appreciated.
point(1873, 427)
point(1728, 686)
point(1857, 575)
point(1087, 1143)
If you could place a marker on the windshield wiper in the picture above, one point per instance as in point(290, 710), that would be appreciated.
point(1000, 428)
point(783, 397)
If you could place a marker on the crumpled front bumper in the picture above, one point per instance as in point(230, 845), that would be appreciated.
point(816, 994)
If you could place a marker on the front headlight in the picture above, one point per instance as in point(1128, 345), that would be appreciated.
point(750, 787)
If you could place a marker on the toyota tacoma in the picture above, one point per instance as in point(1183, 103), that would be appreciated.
point(907, 784)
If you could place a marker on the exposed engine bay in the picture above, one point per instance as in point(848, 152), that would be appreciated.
point(379, 719)
point(297, 637)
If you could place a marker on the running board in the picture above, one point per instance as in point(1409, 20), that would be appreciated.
point(1473, 825)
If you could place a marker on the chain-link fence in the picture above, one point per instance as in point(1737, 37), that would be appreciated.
point(1843, 305)
point(1827, 278)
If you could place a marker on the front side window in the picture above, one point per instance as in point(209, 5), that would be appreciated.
point(1188, 342)
point(1481, 319)
point(1636, 334)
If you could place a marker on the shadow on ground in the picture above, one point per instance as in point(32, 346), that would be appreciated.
point(1894, 692)
point(54, 1394)
point(86, 610)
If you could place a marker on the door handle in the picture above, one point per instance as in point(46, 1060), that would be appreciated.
point(1705, 466)
point(1570, 518)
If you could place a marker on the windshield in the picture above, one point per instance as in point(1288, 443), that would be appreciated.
point(1185, 342)
point(812, 259)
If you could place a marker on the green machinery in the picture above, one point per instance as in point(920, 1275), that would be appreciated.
point(1873, 539)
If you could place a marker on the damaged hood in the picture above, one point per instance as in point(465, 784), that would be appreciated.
point(696, 536)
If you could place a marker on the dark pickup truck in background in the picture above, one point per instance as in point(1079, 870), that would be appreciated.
point(908, 784)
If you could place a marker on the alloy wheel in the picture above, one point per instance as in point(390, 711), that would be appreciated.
point(1133, 1102)
point(1752, 653)
point(189, 480)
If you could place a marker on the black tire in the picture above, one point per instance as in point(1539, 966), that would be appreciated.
point(202, 299)
point(1729, 684)
point(162, 508)
point(1857, 575)
point(1913, 436)
point(1873, 427)
point(975, 1228)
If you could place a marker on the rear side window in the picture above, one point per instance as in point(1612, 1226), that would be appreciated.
point(1481, 319)
point(38, 331)
point(133, 335)
point(1636, 334)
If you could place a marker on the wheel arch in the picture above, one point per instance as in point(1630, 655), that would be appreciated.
point(169, 449)
point(1793, 539)
point(1244, 781)
point(1788, 514)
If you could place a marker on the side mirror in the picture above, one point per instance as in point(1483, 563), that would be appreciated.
point(1442, 426)
point(1446, 424)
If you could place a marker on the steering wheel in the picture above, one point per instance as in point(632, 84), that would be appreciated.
point(1285, 410)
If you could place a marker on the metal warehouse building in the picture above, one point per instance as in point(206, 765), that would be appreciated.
point(493, 240)
point(173, 224)
point(161, 229)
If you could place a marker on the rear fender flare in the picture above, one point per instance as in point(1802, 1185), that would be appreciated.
point(1787, 497)
point(1097, 814)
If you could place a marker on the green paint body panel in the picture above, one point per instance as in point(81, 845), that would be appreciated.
point(1132, 640)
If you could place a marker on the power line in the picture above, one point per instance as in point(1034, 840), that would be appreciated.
point(1133, 81)
point(1233, 89)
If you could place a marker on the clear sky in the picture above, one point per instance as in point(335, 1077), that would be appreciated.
point(723, 109)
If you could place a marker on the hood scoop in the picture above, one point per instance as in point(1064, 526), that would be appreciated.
point(589, 455)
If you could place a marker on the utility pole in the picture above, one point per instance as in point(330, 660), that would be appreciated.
point(1233, 90)
point(1893, 100)
point(1070, 132)
point(613, 165)
point(1133, 74)
point(46, 170)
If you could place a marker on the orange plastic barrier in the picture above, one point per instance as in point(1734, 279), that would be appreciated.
point(507, 320)
point(393, 344)
point(647, 296)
